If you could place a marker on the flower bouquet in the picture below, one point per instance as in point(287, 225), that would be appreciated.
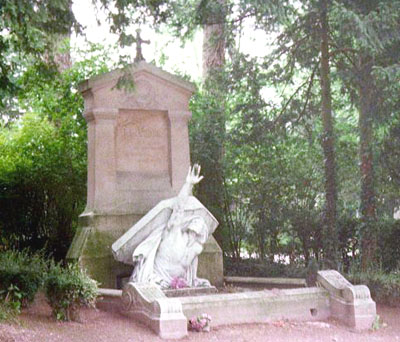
point(200, 323)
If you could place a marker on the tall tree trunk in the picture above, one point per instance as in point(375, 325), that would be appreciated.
point(214, 45)
point(62, 56)
point(58, 53)
point(367, 108)
point(330, 240)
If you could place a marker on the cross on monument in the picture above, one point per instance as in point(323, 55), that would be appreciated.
point(139, 56)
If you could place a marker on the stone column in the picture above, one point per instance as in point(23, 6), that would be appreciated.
point(101, 159)
point(179, 147)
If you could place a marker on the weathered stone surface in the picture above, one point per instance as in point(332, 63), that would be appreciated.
point(292, 282)
point(138, 149)
point(190, 291)
point(350, 304)
point(210, 263)
point(91, 247)
point(305, 304)
point(148, 304)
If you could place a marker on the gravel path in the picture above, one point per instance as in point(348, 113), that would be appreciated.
point(37, 325)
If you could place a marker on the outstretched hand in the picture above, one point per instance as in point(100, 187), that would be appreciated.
point(193, 176)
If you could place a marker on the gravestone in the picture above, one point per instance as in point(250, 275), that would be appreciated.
point(138, 155)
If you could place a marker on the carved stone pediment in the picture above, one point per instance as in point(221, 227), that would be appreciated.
point(154, 89)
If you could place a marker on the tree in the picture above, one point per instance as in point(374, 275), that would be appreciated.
point(330, 231)
point(370, 46)
point(304, 43)
point(43, 161)
point(28, 29)
point(214, 50)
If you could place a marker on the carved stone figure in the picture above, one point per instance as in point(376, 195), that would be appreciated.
point(164, 247)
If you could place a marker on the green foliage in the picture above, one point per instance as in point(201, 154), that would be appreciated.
point(28, 30)
point(67, 289)
point(21, 276)
point(9, 311)
point(43, 159)
point(42, 185)
point(254, 268)
point(384, 287)
point(378, 323)
point(206, 143)
point(388, 244)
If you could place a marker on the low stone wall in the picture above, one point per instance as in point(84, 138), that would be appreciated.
point(267, 282)
point(304, 304)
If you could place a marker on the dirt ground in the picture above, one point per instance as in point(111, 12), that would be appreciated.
point(37, 325)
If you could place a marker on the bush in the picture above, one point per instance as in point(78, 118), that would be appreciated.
point(257, 268)
point(21, 276)
point(384, 287)
point(39, 208)
point(388, 244)
point(9, 311)
point(68, 289)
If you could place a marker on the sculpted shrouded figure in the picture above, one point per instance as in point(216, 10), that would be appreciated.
point(172, 249)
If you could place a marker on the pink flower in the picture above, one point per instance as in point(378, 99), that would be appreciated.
point(200, 323)
point(178, 283)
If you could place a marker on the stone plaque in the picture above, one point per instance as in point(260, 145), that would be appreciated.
point(335, 279)
point(142, 147)
point(150, 292)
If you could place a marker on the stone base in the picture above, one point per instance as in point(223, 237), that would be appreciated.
point(148, 304)
point(91, 248)
point(168, 316)
point(211, 265)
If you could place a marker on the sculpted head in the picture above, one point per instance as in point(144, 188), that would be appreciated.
point(197, 227)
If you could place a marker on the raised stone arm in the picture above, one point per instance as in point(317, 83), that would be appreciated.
point(193, 177)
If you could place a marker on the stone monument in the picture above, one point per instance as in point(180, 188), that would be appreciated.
point(138, 155)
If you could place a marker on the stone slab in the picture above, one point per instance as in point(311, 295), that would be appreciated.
point(190, 291)
point(91, 247)
point(110, 293)
point(306, 304)
point(211, 263)
point(298, 282)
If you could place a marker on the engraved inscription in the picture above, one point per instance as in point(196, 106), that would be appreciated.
point(142, 148)
point(335, 279)
point(151, 293)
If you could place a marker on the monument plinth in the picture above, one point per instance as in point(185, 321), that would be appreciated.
point(138, 155)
